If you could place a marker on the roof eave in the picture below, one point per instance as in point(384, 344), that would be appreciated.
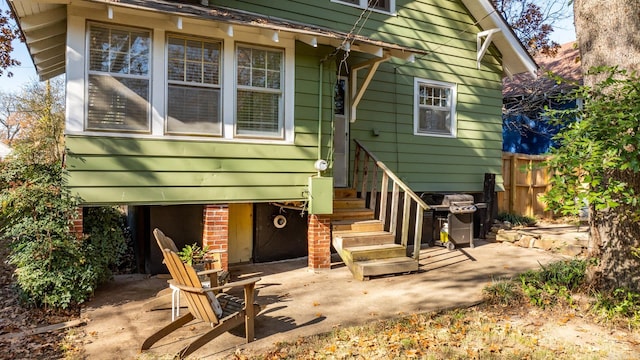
point(515, 57)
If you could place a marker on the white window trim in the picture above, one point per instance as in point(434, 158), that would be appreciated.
point(416, 107)
point(364, 5)
point(229, 87)
point(76, 79)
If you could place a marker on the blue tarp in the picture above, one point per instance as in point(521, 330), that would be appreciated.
point(534, 136)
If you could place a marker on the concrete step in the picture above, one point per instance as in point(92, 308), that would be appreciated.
point(363, 270)
point(356, 225)
point(373, 252)
point(347, 239)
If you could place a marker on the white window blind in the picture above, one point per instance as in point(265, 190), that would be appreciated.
point(259, 92)
point(118, 91)
point(193, 96)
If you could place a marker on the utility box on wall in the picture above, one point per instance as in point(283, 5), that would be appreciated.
point(320, 195)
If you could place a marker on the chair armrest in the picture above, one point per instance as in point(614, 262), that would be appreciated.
point(244, 282)
point(190, 289)
point(208, 272)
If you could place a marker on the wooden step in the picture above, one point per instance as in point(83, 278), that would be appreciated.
point(363, 270)
point(352, 214)
point(346, 239)
point(349, 203)
point(355, 225)
point(344, 193)
point(373, 252)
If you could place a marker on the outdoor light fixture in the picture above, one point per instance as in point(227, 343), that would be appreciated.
point(321, 165)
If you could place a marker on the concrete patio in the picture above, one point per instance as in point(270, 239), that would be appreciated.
point(300, 302)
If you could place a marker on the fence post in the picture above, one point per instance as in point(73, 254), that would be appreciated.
point(513, 188)
point(488, 199)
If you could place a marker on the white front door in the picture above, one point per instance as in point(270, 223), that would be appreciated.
point(341, 134)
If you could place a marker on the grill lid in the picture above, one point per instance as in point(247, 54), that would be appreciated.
point(450, 199)
point(462, 208)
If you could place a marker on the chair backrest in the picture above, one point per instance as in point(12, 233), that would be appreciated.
point(164, 241)
point(199, 303)
point(182, 274)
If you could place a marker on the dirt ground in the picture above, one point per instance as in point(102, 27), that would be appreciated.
point(16, 319)
point(301, 303)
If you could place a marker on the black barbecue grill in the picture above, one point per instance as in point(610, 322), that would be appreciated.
point(456, 210)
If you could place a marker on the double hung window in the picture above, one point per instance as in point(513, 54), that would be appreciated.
point(118, 88)
point(259, 91)
point(201, 86)
point(193, 86)
point(387, 6)
point(435, 110)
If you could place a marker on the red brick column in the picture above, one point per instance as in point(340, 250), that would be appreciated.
point(77, 228)
point(216, 231)
point(319, 240)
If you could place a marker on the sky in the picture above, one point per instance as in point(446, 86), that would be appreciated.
point(25, 73)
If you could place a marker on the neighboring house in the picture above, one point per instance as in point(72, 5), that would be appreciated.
point(209, 119)
point(4, 150)
point(525, 128)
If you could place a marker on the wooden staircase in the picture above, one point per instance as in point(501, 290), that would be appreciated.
point(361, 241)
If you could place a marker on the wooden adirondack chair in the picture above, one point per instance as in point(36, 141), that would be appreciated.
point(200, 302)
point(160, 302)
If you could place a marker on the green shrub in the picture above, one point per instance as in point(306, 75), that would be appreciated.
point(503, 292)
point(517, 220)
point(54, 267)
point(622, 305)
point(106, 239)
point(553, 282)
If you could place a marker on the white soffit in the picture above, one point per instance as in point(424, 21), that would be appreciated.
point(44, 24)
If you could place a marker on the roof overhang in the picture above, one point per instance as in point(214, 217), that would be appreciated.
point(44, 24)
point(515, 58)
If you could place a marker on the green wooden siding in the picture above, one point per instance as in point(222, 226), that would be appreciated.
point(116, 170)
point(113, 170)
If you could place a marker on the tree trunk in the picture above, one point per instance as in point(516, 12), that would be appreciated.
point(608, 34)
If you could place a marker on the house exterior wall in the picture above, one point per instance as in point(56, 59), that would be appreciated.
point(152, 168)
point(112, 168)
point(445, 28)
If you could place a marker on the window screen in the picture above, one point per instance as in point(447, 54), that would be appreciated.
point(259, 91)
point(435, 108)
point(193, 95)
point(118, 91)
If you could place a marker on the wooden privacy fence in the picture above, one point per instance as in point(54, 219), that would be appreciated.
point(525, 179)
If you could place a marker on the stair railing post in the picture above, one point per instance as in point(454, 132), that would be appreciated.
point(384, 192)
point(365, 176)
point(374, 189)
point(406, 211)
point(394, 208)
point(417, 238)
point(356, 163)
